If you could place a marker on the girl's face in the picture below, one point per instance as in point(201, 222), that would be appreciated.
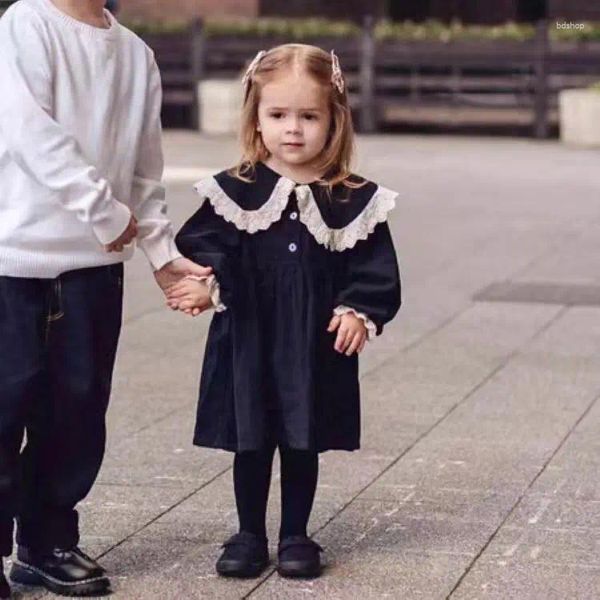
point(294, 119)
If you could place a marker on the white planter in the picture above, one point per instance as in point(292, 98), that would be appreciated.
point(580, 117)
point(220, 105)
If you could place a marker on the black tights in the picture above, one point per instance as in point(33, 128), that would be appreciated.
point(252, 479)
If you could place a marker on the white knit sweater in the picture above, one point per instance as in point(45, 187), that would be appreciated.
point(80, 144)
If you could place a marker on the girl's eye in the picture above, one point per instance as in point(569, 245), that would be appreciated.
point(277, 115)
point(310, 117)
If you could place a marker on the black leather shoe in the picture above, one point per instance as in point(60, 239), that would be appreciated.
point(245, 555)
point(64, 572)
point(4, 587)
point(299, 557)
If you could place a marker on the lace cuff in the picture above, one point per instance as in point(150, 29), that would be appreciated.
point(371, 327)
point(214, 290)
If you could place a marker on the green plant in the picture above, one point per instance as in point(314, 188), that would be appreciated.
point(436, 31)
point(278, 27)
point(310, 28)
point(142, 27)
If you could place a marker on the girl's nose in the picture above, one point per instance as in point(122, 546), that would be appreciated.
point(293, 125)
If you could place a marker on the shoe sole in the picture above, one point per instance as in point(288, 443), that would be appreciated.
point(232, 570)
point(25, 574)
point(299, 570)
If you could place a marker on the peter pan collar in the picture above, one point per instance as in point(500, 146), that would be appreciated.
point(373, 203)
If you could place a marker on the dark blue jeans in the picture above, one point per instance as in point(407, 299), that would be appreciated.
point(58, 340)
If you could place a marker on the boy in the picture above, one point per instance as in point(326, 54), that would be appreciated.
point(80, 170)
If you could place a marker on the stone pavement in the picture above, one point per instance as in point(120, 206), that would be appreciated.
point(481, 433)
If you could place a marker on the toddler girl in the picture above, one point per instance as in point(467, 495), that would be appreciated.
point(304, 273)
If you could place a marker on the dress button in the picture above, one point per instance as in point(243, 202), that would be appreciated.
point(292, 247)
point(293, 215)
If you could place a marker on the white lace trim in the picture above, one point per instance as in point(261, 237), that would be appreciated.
point(371, 327)
point(247, 220)
point(375, 212)
point(214, 290)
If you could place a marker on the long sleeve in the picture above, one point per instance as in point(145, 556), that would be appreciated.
point(36, 142)
point(209, 240)
point(371, 282)
point(148, 194)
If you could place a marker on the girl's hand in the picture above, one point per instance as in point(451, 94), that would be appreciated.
point(351, 335)
point(188, 296)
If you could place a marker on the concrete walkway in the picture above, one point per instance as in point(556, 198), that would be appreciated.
point(478, 476)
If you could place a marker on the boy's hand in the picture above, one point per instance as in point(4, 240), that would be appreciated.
point(176, 270)
point(189, 296)
point(125, 238)
point(351, 335)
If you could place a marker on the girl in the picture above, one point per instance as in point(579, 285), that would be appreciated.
point(304, 272)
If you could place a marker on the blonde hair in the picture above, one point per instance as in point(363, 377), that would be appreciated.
point(335, 158)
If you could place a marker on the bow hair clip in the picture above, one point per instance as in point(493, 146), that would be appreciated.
point(337, 78)
point(251, 68)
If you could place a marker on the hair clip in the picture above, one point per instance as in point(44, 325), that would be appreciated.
point(337, 78)
point(252, 67)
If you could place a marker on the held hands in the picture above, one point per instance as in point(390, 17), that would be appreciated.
point(188, 295)
point(125, 238)
point(176, 270)
point(174, 273)
point(351, 333)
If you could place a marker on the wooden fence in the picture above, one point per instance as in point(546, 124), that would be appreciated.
point(396, 82)
point(488, 83)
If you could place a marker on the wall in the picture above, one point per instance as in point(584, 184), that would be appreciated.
point(170, 10)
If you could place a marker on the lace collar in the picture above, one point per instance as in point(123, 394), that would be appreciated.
point(337, 223)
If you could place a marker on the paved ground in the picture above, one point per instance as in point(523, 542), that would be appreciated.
point(481, 435)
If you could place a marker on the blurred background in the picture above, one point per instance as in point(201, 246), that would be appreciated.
point(495, 66)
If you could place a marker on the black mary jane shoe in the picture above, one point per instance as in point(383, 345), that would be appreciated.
point(299, 556)
point(4, 587)
point(245, 555)
point(66, 572)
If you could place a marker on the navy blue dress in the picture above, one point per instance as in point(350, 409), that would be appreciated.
point(285, 256)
